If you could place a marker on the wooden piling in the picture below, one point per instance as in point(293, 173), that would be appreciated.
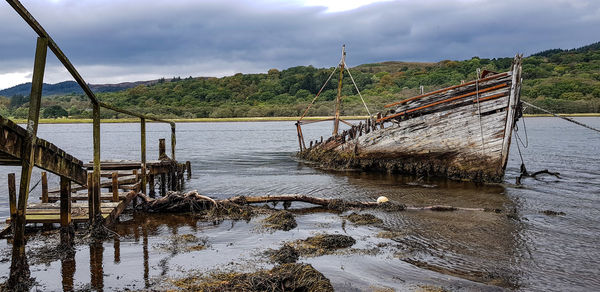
point(96, 172)
point(163, 184)
point(161, 149)
point(44, 187)
point(151, 190)
point(19, 270)
point(90, 185)
point(188, 166)
point(115, 187)
point(143, 153)
point(117, 249)
point(12, 196)
point(66, 237)
point(173, 141)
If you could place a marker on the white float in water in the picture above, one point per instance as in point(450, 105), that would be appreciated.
point(382, 199)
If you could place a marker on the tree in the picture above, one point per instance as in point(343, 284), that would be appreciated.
point(18, 100)
point(55, 111)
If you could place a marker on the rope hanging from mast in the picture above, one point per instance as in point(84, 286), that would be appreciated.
point(319, 93)
point(341, 64)
point(355, 86)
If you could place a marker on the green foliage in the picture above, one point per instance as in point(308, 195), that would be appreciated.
point(563, 81)
point(55, 111)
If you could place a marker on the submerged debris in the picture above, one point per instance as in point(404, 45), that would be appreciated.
point(282, 220)
point(363, 219)
point(184, 243)
point(285, 255)
point(553, 213)
point(285, 277)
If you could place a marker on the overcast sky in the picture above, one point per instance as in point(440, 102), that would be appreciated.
point(112, 41)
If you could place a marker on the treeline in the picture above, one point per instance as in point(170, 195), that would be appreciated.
point(565, 81)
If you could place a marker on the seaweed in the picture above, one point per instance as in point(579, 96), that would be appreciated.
point(285, 277)
point(363, 219)
point(282, 220)
point(285, 255)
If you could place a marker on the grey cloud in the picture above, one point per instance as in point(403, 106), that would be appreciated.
point(125, 39)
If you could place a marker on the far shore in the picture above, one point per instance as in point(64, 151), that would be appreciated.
point(241, 119)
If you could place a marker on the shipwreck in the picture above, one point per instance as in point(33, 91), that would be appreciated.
point(460, 132)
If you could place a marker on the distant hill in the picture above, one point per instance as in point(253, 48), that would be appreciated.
point(71, 87)
point(563, 81)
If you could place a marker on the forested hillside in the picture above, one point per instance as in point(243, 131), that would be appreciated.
point(565, 81)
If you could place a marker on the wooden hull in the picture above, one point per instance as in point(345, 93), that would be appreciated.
point(461, 132)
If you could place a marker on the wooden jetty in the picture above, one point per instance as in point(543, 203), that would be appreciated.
point(78, 181)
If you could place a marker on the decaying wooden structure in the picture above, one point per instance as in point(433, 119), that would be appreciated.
point(19, 146)
point(459, 132)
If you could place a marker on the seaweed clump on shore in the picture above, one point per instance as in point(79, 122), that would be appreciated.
point(282, 220)
point(285, 255)
point(363, 219)
point(323, 244)
point(285, 277)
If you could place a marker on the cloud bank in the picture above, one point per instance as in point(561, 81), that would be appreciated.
point(115, 41)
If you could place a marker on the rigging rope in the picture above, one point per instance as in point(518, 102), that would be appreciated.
point(479, 110)
point(320, 90)
point(564, 118)
point(355, 86)
point(35, 185)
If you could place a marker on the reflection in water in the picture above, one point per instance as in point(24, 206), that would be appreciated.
point(145, 249)
point(67, 264)
point(96, 265)
point(117, 249)
point(457, 250)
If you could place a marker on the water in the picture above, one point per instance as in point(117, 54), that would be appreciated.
point(456, 250)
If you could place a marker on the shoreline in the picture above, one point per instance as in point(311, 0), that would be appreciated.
point(244, 119)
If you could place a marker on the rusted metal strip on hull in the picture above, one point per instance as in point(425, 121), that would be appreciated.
point(495, 87)
point(445, 89)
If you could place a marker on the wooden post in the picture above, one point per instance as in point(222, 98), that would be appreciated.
point(188, 166)
point(173, 141)
point(173, 177)
point(96, 265)
point(161, 149)
point(90, 185)
point(163, 184)
point(117, 249)
point(96, 173)
point(19, 272)
point(12, 196)
point(143, 150)
point(44, 187)
point(151, 190)
point(66, 238)
point(115, 187)
point(338, 100)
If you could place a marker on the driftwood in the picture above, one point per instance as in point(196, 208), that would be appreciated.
point(534, 175)
point(194, 202)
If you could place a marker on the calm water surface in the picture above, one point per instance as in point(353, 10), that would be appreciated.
point(462, 250)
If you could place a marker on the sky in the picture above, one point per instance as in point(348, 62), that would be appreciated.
point(112, 41)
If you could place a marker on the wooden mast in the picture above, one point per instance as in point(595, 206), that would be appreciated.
point(336, 120)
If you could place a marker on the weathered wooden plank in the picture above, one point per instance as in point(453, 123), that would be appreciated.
point(73, 205)
point(116, 212)
point(55, 218)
